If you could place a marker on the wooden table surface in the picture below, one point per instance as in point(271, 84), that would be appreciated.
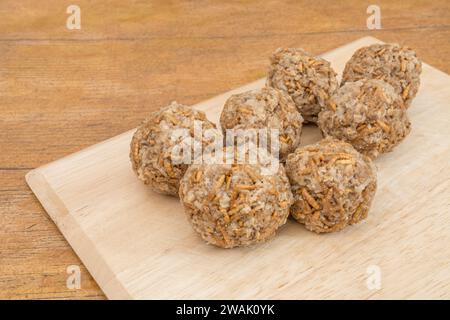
point(62, 90)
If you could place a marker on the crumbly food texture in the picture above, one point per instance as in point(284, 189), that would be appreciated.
point(368, 114)
point(333, 185)
point(232, 205)
point(265, 108)
point(152, 145)
point(398, 66)
point(310, 81)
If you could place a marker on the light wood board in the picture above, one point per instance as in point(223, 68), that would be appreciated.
point(138, 245)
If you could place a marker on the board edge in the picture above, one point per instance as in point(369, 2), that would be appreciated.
point(66, 224)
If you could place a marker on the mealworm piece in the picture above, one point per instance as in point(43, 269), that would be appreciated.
point(332, 105)
point(219, 182)
point(311, 201)
point(384, 126)
point(405, 92)
point(403, 66)
point(245, 187)
point(198, 175)
point(228, 183)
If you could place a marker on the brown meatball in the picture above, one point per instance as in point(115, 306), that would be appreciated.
point(236, 204)
point(398, 66)
point(333, 185)
point(153, 143)
point(265, 108)
point(367, 113)
point(310, 81)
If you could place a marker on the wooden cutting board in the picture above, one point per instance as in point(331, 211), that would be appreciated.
point(138, 244)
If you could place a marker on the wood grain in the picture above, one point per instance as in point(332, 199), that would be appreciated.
point(137, 244)
point(64, 90)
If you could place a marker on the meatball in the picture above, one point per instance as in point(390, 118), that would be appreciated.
point(153, 143)
point(310, 81)
point(265, 108)
point(333, 185)
point(367, 113)
point(396, 65)
point(235, 204)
